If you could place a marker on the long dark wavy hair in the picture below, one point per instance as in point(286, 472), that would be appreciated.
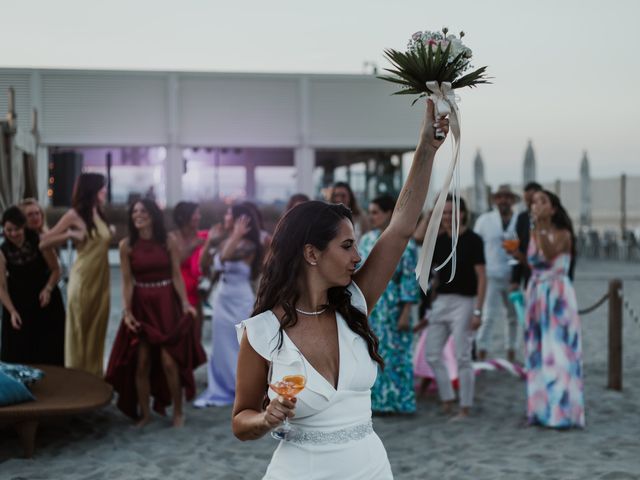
point(253, 235)
point(562, 221)
point(314, 223)
point(85, 198)
point(157, 222)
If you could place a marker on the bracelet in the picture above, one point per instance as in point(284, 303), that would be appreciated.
point(477, 312)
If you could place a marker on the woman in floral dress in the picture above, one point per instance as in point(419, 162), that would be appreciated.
point(553, 338)
point(393, 391)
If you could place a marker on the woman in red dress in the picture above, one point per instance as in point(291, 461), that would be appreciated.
point(190, 240)
point(155, 350)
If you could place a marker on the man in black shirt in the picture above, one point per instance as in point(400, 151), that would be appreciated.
point(520, 273)
point(457, 308)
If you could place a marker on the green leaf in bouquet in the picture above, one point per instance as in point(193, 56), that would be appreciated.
point(407, 69)
point(395, 79)
point(442, 63)
point(413, 68)
point(429, 59)
point(437, 60)
point(429, 72)
point(423, 54)
point(453, 68)
point(418, 98)
point(472, 79)
point(401, 77)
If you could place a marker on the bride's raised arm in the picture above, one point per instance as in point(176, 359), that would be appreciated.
point(374, 275)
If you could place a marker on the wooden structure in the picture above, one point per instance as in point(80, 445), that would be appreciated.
point(62, 392)
point(17, 157)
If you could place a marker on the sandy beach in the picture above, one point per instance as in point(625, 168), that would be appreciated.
point(493, 444)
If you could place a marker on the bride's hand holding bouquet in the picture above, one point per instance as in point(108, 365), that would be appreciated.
point(434, 65)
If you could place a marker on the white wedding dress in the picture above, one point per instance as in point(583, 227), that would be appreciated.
point(332, 435)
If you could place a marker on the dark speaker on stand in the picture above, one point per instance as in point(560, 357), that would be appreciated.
point(64, 168)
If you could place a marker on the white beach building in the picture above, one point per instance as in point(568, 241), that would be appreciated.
point(193, 135)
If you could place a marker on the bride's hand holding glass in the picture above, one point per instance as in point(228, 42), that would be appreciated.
point(287, 377)
point(279, 409)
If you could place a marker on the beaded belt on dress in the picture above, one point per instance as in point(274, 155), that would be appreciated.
point(344, 435)
point(162, 283)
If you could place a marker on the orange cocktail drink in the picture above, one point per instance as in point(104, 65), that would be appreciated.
point(511, 244)
point(289, 386)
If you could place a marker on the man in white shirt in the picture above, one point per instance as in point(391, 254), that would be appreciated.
point(492, 227)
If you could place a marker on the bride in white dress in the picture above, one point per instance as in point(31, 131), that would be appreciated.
point(312, 300)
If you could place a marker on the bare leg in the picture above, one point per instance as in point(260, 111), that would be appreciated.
point(198, 321)
point(143, 369)
point(173, 380)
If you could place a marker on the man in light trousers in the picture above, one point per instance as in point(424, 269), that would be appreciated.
point(456, 309)
point(494, 227)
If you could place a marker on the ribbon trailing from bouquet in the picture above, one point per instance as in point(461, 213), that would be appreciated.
point(444, 101)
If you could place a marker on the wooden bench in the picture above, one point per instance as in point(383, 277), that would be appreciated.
point(62, 392)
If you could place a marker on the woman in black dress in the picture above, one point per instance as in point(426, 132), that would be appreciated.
point(33, 312)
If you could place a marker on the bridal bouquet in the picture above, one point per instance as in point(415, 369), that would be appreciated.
point(432, 57)
point(434, 65)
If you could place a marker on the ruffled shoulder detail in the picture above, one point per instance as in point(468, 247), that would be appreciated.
point(262, 333)
point(357, 298)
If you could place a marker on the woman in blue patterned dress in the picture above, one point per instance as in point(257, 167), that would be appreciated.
point(393, 391)
point(553, 338)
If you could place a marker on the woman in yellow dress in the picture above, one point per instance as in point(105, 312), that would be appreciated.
point(88, 289)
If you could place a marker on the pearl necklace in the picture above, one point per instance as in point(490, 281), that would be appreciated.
point(318, 312)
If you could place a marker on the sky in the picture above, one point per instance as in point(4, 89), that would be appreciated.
point(566, 73)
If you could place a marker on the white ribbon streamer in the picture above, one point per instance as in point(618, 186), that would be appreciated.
point(444, 102)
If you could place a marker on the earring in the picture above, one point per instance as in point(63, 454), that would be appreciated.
point(314, 263)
